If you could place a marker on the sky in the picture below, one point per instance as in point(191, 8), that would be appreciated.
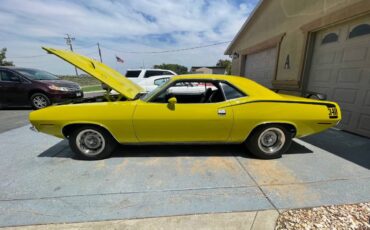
point(122, 28)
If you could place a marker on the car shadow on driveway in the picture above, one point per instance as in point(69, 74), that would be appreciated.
point(349, 146)
point(62, 150)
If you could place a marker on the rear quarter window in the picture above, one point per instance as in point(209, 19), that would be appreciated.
point(231, 92)
point(167, 73)
point(161, 81)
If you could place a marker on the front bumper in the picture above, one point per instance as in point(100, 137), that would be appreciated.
point(66, 96)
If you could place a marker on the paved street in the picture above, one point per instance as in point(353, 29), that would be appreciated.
point(41, 182)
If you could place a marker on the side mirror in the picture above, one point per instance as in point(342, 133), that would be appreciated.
point(172, 101)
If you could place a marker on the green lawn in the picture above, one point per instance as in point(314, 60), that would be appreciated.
point(91, 88)
point(81, 80)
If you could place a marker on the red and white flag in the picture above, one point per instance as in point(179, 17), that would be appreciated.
point(120, 60)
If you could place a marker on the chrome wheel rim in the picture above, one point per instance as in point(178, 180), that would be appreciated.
point(90, 142)
point(271, 140)
point(39, 102)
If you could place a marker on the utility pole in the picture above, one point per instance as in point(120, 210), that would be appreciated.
point(101, 59)
point(69, 40)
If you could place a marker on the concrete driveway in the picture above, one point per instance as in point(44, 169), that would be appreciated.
point(14, 117)
point(41, 182)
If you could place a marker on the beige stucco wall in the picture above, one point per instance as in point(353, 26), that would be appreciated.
point(276, 17)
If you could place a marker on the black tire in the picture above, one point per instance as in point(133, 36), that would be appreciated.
point(77, 143)
point(39, 101)
point(261, 138)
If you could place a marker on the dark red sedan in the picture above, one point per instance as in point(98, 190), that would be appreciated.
point(25, 86)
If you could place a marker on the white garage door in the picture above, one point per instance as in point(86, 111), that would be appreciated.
point(341, 69)
point(260, 66)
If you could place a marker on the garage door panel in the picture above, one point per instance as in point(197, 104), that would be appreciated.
point(258, 74)
point(341, 70)
point(355, 54)
point(351, 75)
point(325, 58)
point(345, 95)
point(364, 123)
point(366, 76)
point(260, 66)
point(367, 99)
point(321, 75)
point(346, 114)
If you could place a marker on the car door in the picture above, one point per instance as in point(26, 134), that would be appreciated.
point(156, 122)
point(12, 89)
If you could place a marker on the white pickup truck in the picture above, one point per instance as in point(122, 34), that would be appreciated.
point(149, 79)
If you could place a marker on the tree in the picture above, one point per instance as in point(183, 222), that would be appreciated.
point(179, 69)
point(226, 64)
point(3, 62)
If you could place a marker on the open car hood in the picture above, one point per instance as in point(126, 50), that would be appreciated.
point(103, 73)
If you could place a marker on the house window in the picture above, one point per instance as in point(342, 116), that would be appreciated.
point(360, 30)
point(329, 38)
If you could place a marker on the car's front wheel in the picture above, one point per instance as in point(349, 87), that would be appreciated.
point(39, 101)
point(92, 143)
point(269, 141)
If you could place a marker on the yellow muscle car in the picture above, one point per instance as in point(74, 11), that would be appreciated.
point(186, 109)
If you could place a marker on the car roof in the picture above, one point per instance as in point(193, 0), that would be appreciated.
point(246, 85)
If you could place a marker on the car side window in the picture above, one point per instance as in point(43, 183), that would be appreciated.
point(191, 92)
point(151, 73)
point(231, 92)
point(133, 73)
point(8, 76)
point(161, 81)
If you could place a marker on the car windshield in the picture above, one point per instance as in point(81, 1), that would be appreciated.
point(147, 96)
point(36, 74)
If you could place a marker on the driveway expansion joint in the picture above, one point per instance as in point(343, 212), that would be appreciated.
point(128, 193)
point(258, 186)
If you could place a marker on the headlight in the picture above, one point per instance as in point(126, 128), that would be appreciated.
point(57, 88)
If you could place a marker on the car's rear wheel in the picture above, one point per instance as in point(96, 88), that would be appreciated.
point(39, 101)
point(269, 141)
point(91, 143)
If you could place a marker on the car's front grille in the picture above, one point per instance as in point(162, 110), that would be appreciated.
point(73, 88)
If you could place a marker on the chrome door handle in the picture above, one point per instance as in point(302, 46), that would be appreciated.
point(221, 112)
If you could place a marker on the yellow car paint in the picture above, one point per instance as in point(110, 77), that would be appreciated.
point(99, 70)
point(140, 121)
